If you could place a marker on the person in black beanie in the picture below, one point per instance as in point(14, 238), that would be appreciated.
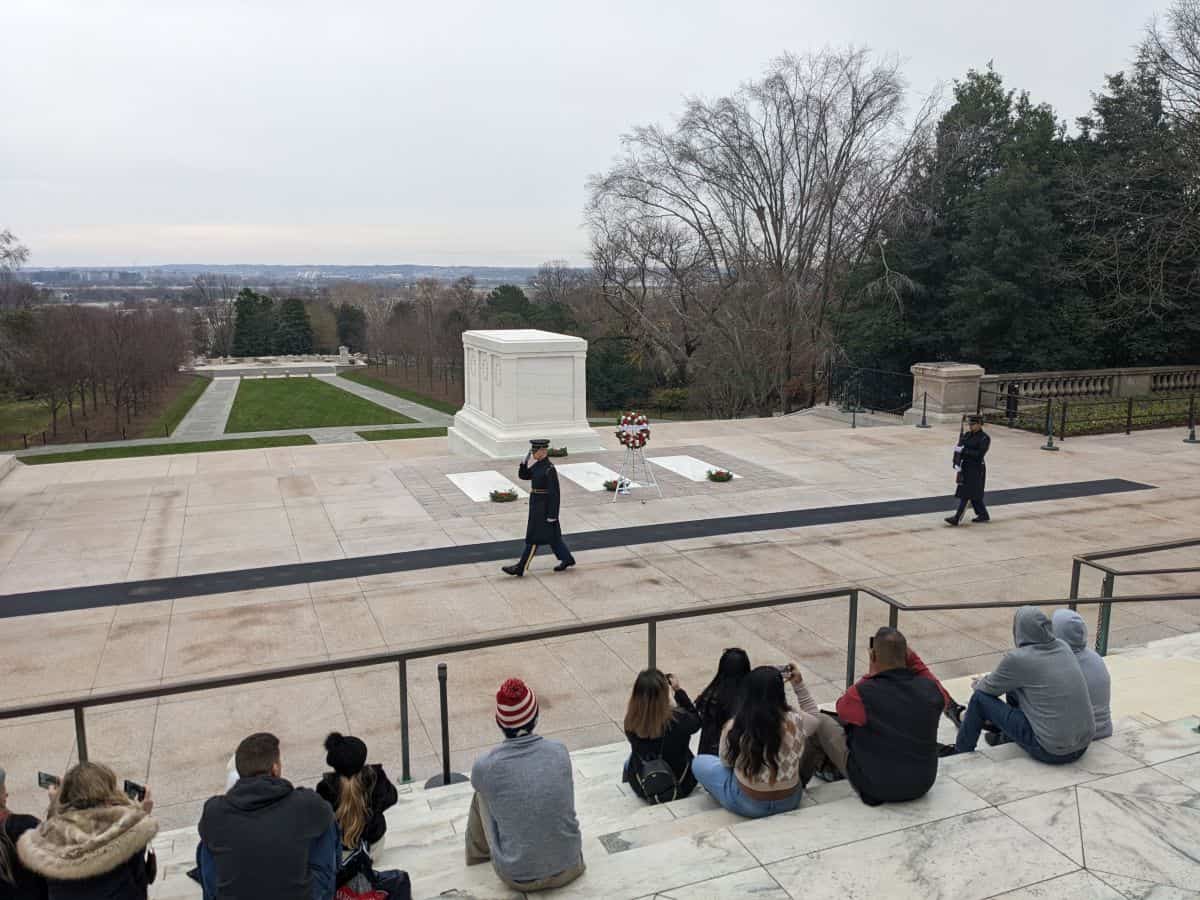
point(359, 793)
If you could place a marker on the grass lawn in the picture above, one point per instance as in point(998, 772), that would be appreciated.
point(396, 434)
point(171, 416)
point(402, 393)
point(23, 417)
point(286, 440)
point(272, 404)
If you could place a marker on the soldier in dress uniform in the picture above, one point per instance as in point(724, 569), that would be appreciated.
point(972, 471)
point(543, 527)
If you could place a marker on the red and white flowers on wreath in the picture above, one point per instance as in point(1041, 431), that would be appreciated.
point(633, 430)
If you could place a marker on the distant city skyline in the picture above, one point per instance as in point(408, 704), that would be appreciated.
point(142, 133)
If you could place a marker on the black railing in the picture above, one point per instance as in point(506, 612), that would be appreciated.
point(1062, 417)
point(859, 389)
point(401, 658)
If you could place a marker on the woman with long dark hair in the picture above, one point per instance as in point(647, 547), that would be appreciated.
point(658, 731)
point(716, 703)
point(758, 770)
point(359, 793)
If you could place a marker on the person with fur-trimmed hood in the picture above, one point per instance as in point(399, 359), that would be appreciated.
point(93, 844)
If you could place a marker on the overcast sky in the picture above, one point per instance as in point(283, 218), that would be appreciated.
point(138, 132)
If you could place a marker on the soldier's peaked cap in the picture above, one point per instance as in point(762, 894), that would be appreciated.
point(539, 443)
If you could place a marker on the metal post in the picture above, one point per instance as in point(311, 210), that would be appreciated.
point(854, 416)
point(851, 637)
point(652, 645)
point(80, 735)
point(405, 759)
point(446, 776)
point(25, 439)
point(1191, 438)
point(893, 617)
point(1076, 566)
point(1129, 416)
point(924, 403)
point(1049, 445)
point(43, 439)
point(1105, 617)
point(85, 436)
point(1062, 424)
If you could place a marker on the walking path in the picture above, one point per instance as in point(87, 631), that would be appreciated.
point(209, 583)
point(206, 420)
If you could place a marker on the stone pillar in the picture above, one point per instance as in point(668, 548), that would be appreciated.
point(522, 384)
point(950, 391)
point(343, 355)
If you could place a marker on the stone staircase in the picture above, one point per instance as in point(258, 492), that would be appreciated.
point(1121, 822)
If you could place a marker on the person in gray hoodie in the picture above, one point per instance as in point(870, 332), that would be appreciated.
point(1069, 627)
point(1048, 710)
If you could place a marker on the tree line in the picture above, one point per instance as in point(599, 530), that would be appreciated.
point(252, 323)
point(89, 362)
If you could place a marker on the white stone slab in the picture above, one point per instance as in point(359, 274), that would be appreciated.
point(1054, 817)
point(1185, 769)
point(753, 883)
point(589, 475)
point(930, 864)
point(1160, 743)
point(1076, 886)
point(1140, 838)
point(1007, 780)
point(688, 466)
point(830, 824)
point(479, 485)
point(1136, 889)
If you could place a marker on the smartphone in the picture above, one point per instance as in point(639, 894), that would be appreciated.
point(135, 791)
point(785, 670)
point(46, 780)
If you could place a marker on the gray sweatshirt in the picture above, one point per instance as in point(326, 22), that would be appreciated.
point(1070, 628)
point(1044, 676)
point(529, 791)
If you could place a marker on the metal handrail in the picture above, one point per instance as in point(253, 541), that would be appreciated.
point(400, 658)
point(1108, 586)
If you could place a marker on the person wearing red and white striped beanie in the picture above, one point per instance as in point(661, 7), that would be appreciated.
point(516, 707)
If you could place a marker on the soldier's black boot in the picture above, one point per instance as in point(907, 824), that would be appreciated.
point(563, 566)
point(512, 570)
point(951, 520)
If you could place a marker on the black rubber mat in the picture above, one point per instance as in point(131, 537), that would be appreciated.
point(63, 599)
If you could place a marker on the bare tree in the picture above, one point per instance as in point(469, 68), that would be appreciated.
point(780, 185)
point(1173, 47)
point(217, 293)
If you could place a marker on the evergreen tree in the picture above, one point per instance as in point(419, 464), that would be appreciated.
point(352, 327)
point(293, 333)
point(254, 324)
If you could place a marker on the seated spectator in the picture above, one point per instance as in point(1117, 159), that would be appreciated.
point(1049, 712)
point(758, 772)
point(715, 703)
point(660, 732)
point(523, 813)
point(1070, 628)
point(16, 881)
point(891, 717)
point(265, 838)
point(358, 793)
point(94, 841)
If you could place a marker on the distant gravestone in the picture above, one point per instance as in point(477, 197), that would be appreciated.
point(343, 355)
point(522, 384)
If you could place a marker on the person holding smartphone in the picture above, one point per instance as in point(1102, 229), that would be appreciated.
point(16, 881)
point(543, 526)
point(95, 840)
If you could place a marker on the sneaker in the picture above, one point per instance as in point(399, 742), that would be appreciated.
point(563, 566)
point(945, 750)
point(995, 739)
point(512, 570)
point(950, 520)
point(829, 774)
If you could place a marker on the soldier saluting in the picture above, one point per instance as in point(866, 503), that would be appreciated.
point(543, 526)
point(972, 471)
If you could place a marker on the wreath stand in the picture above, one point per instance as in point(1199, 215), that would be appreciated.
point(635, 460)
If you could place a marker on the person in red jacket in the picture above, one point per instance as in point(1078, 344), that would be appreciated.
point(891, 720)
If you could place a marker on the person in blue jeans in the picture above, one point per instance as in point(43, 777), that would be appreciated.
point(762, 767)
point(1047, 711)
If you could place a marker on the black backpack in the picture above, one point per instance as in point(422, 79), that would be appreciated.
point(656, 778)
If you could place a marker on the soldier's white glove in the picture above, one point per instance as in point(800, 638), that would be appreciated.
point(958, 449)
point(552, 520)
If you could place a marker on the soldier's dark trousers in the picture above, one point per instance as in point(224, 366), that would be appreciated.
point(977, 505)
point(558, 545)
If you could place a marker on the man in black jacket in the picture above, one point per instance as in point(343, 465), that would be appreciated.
point(891, 718)
point(542, 527)
point(265, 839)
point(972, 471)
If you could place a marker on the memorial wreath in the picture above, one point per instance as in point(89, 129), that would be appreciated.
point(633, 430)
